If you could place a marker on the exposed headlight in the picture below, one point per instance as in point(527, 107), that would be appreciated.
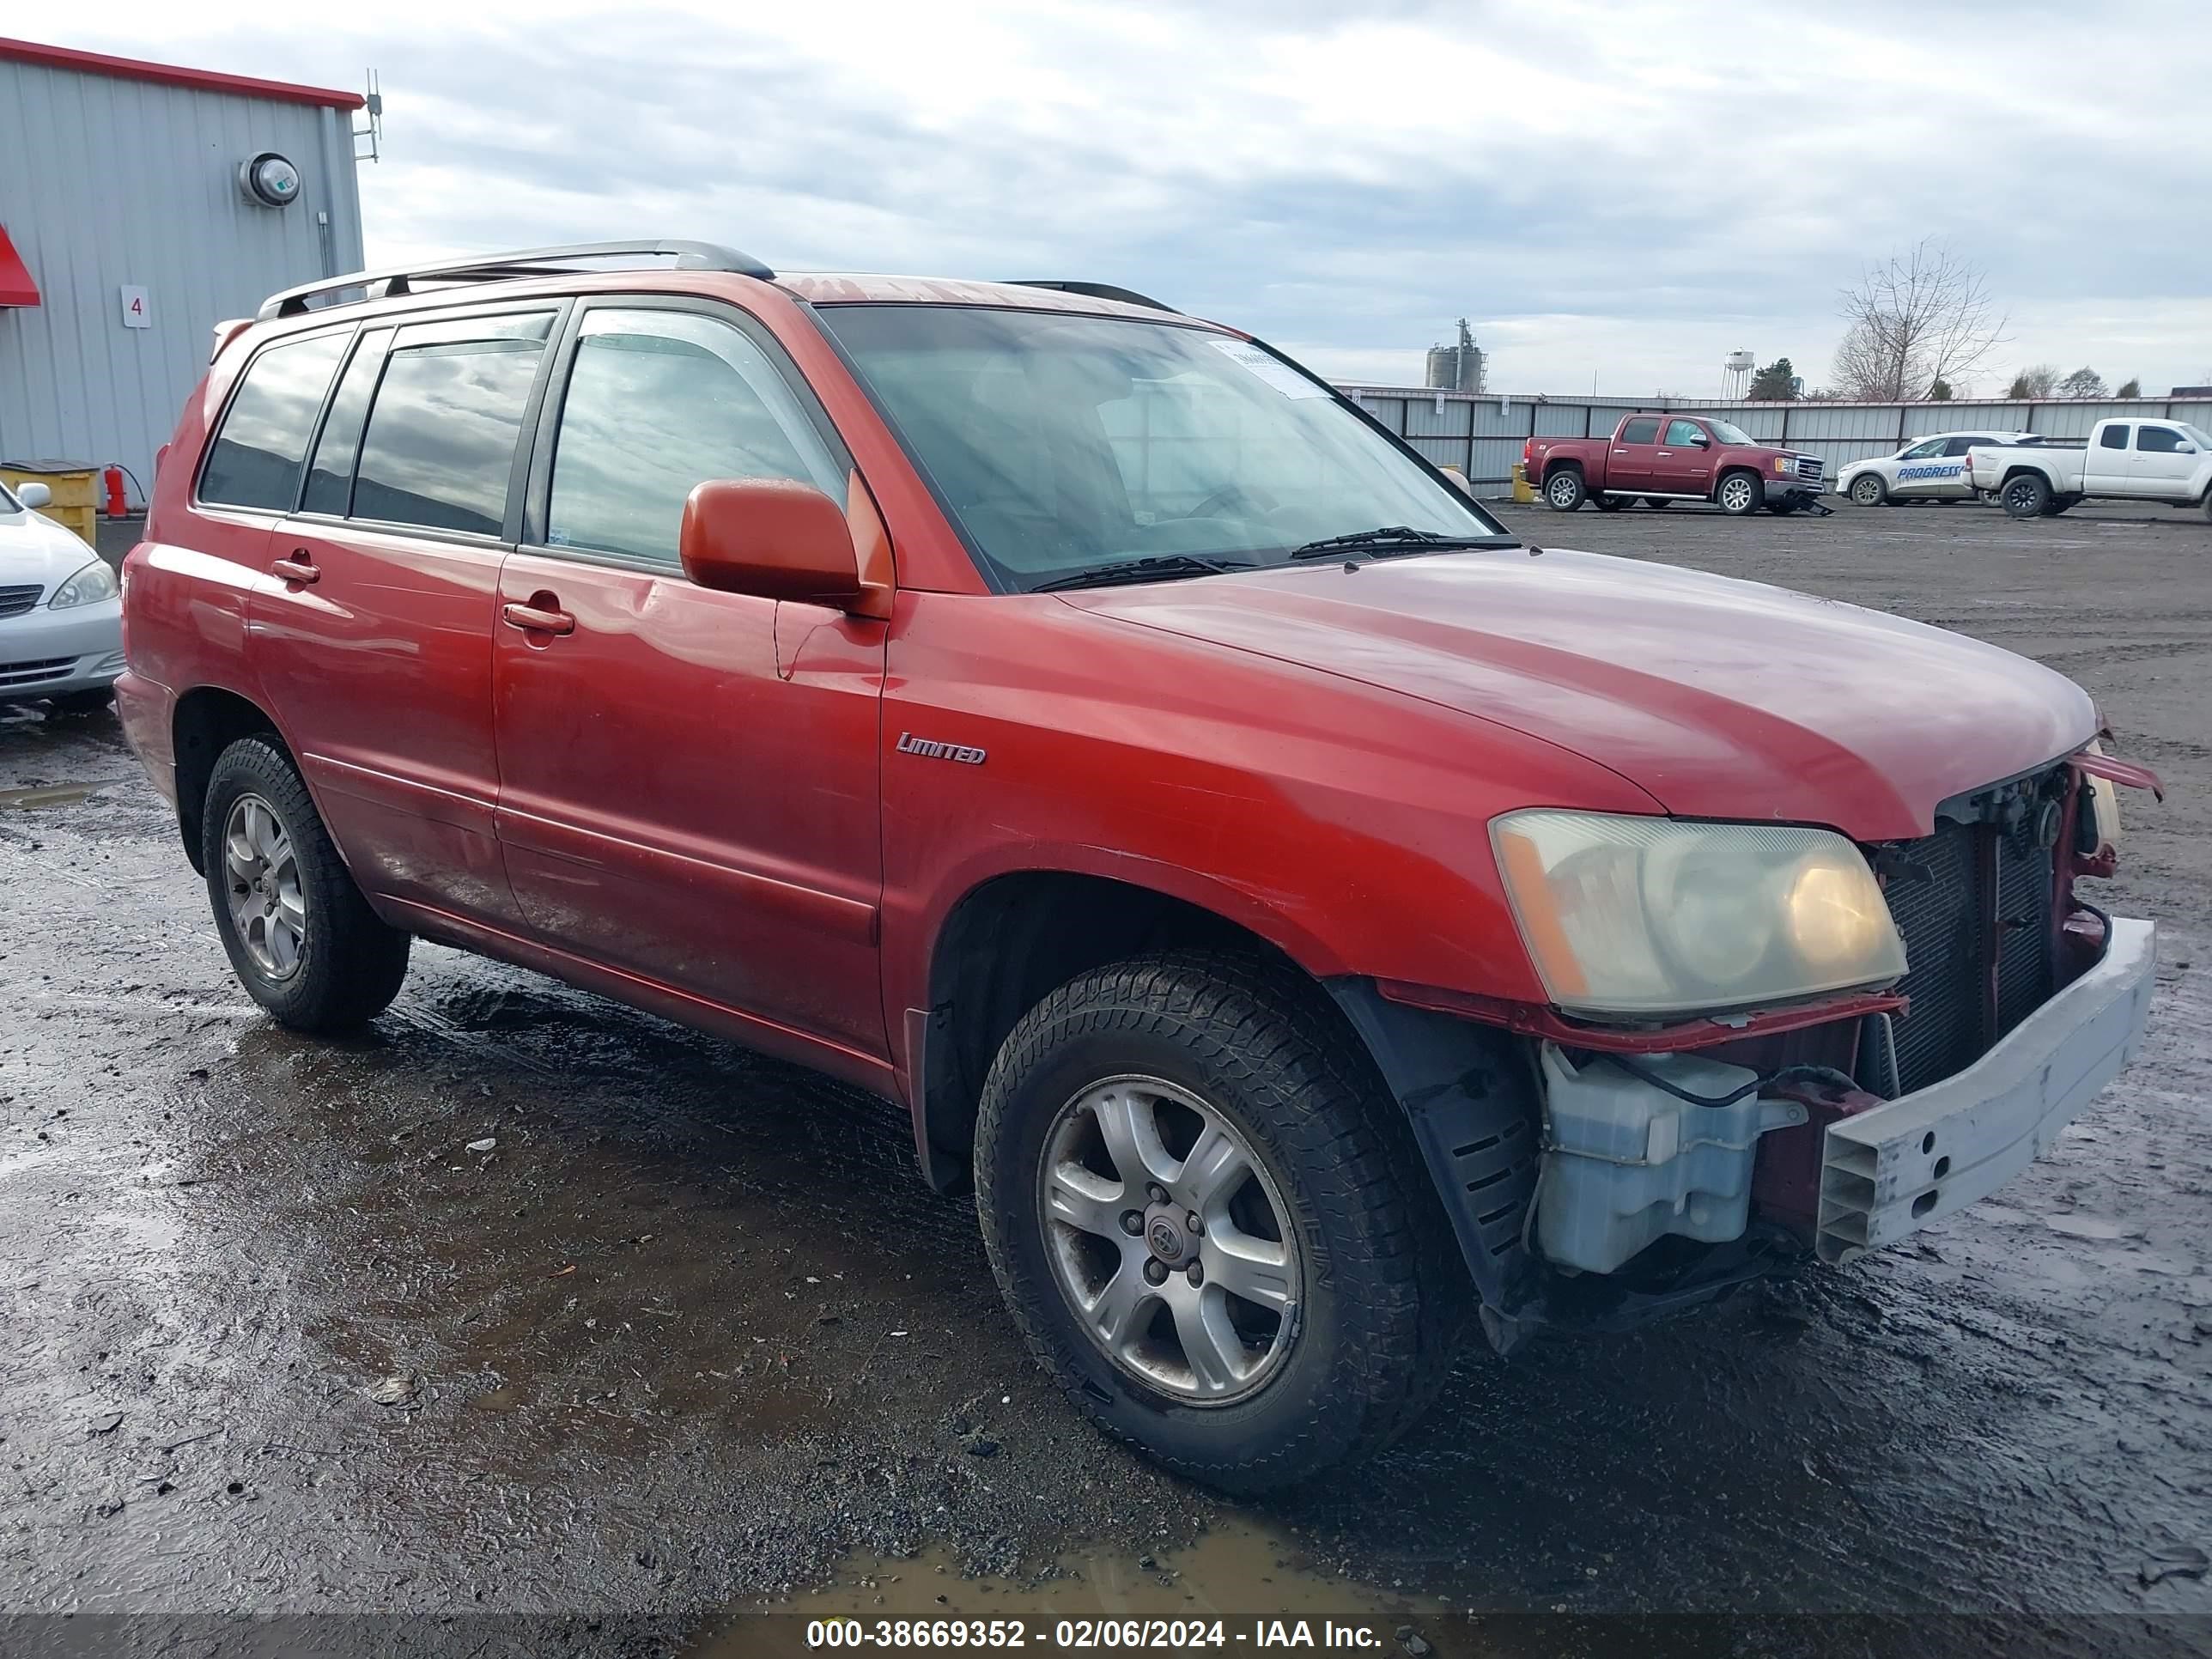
point(1637, 916)
point(89, 586)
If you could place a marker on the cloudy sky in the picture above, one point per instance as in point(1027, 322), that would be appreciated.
point(1610, 193)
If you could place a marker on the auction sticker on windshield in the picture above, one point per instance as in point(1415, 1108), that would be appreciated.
point(1284, 378)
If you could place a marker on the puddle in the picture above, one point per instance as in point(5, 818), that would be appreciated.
point(49, 794)
point(1249, 1581)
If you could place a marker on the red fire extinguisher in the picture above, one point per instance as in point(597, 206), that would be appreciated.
point(117, 504)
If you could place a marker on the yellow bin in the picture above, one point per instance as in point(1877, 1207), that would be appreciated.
point(75, 488)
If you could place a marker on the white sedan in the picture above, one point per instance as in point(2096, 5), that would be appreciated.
point(61, 612)
point(1930, 469)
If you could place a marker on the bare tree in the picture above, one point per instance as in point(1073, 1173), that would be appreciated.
point(1923, 316)
point(2036, 380)
point(2083, 382)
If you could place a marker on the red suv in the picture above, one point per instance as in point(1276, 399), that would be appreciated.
point(1313, 917)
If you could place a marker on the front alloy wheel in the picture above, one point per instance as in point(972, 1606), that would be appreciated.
point(1168, 1240)
point(1210, 1221)
point(1866, 490)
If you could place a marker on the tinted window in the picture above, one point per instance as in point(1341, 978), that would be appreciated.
point(659, 401)
point(2158, 440)
point(1641, 432)
point(440, 438)
point(255, 458)
point(1684, 434)
point(329, 476)
point(1960, 445)
point(2112, 437)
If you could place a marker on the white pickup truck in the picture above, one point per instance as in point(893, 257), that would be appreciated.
point(2163, 460)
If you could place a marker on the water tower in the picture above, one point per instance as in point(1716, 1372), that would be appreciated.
point(1735, 374)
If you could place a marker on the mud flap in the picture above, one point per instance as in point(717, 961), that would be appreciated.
point(1471, 1101)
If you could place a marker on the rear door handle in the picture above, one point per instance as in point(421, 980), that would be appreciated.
point(537, 619)
point(300, 568)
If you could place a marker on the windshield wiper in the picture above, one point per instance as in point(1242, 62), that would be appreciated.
point(1159, 565)
point(1393, 537)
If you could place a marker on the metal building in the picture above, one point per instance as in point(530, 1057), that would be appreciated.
point(140, 204)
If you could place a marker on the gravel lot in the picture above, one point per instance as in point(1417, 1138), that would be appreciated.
point(692, 1333)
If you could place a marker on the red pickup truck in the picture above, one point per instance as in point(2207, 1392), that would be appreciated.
point(1666, 458)
point(1312, 922)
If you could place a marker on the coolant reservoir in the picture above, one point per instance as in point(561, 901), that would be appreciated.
point(1626, 1163)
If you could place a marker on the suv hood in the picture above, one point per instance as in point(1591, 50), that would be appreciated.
point(1718, 698)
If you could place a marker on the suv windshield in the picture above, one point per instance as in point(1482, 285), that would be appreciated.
point(1068, 443)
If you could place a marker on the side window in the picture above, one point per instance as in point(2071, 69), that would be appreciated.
point(330, 475)
point(1641, 432)
point(658, 402)
point(1960, 445)
point(1683, 434)
point(2112, 437)
point(2158, 441)
point(1923, 451)
point(439, 446)
point(255, 458)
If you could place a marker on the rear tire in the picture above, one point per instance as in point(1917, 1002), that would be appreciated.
point(1739, 493)
point(300, 935)
point(1363, 1328)
point(1610, 503)
point(1563, 491)
point(1867, 489)
point(1657, 501)
point(2025, 494)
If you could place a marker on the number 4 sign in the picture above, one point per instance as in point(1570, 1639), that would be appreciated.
point(137, 310)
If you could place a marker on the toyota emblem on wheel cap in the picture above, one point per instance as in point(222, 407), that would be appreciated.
point(1166, 1240)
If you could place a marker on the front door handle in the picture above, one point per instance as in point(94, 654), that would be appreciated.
point(300, 568)
point(537, 619)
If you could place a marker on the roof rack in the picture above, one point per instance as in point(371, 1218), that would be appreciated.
point(507, 267)
point(1128, 296)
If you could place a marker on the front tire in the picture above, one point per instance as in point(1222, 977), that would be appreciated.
point(1741, 494)
point(1321, 1316)
point(1563, 491)
point(2026, 495)
point(300, 936)
point(1868, 491)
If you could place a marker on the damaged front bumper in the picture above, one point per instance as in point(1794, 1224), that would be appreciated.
point(1891, 1170)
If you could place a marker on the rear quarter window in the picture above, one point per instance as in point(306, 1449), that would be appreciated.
point(254, 461)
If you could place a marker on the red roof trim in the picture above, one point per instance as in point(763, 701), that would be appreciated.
point(134, 69)
point(16, 288)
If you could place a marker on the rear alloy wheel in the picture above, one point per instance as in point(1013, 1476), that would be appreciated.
point(300, 935)
point(1740, 494)
point(1868, 491)
point(1211, 1223)
point(1564, 491)
point(2026, 495)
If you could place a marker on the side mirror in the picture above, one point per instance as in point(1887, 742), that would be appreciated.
point(33, 495)
point(1701, 441)
point(770, 538)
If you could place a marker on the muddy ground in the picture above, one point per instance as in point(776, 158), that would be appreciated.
point(690, 1335)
